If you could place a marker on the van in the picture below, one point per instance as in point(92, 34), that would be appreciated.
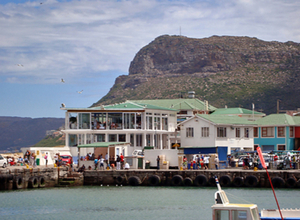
point(3, 161)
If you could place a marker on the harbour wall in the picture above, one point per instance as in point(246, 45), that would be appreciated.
point(36, 178)
point(198, 178)
point(53, 177)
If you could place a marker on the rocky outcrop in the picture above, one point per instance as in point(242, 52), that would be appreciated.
point(232, 71)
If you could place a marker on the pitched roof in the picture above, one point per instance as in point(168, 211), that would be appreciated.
point(178, 104)
point(227, 119)
point(136, 106)
point(235, 111)
point(278, 119)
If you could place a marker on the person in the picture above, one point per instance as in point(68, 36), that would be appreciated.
point(157, 160)
point(27, 155)
point(34, 159)
point(90, 168)
point(46, 159)
point(118, 162)
point(106, 158)
point(198, 162)
point(127, 166)
point(275, 161)
point(20, 160)
point(122, 160)
point(206, 162)
point(216, 162)
point(55, 159)
point(96, 163)
point(184, 164)
point(10, 161)
point(191, 164)
point(101, 163)
point(82, 168)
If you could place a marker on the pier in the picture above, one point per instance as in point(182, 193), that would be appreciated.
point(23, 178)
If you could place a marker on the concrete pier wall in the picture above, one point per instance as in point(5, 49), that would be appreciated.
point(30, 178)
point(201, 178)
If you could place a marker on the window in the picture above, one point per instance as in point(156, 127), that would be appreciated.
point(205, 131)
point(281, 131)
point(189, 132)
point(149, 121)
point(112, 138)
point(221, 132)
point(122, 138)
point(237, 132)
point(246, 132)
point(131, 140)
point(139, 140)
point(222, 214)
point(291, 131)
point(100, 138)
point(281, 147)
point(255, 131)
point(267, 131)
point(84, 120)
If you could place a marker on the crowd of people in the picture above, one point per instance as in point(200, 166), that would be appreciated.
point(200, 162)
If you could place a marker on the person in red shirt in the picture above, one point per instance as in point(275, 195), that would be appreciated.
point(122, 161)
point(275, 161)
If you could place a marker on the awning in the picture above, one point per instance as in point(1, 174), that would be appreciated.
point(102, 144)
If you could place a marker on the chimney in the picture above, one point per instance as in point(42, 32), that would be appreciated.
point(191, 94)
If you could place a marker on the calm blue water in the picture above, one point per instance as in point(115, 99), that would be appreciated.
point(128, 203)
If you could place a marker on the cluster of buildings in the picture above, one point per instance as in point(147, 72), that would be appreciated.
point(174, 127)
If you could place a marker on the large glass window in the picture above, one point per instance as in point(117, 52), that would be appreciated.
point(149, 122)
point(239, 214)
point(148, 140)
point(114, 120)
point(129, 120)
point(138, 124)
point(157, 121)
point(221, 132)
point(189, 132)
point(99, 121)
point(164, 122)
point(73, 120)
point(84, 120)
point(81, 139)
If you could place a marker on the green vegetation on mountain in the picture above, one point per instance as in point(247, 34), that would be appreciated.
point(232, 71)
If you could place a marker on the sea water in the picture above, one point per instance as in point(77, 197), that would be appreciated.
point(129, 203)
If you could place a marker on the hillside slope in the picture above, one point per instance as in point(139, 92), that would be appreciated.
point(232, 71)
point(17, 132)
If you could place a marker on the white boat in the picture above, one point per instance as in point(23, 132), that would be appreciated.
point(223, 210)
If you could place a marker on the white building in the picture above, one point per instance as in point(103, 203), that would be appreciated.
point(210, 131)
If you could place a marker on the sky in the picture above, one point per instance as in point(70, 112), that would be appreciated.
point(89, 43)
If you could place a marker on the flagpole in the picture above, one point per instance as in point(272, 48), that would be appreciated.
point(262, 160)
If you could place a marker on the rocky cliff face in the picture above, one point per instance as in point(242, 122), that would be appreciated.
point(232, 71)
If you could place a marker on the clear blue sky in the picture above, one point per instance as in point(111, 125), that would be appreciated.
point(89, 43)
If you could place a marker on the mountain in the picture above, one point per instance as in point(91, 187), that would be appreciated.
point(224, 70)
point(17, 132)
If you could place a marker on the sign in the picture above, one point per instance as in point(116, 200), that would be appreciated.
point(261, 157)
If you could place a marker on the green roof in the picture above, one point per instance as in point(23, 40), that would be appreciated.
point(178, 104)
point(102, 144)
point(235, 111)
point(136, 106)
point(278, 119)
point(227, 119)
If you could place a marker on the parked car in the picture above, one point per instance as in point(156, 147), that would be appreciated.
point(3, 161)
point(66, 159)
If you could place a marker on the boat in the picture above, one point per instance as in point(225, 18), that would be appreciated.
point(224, 210)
